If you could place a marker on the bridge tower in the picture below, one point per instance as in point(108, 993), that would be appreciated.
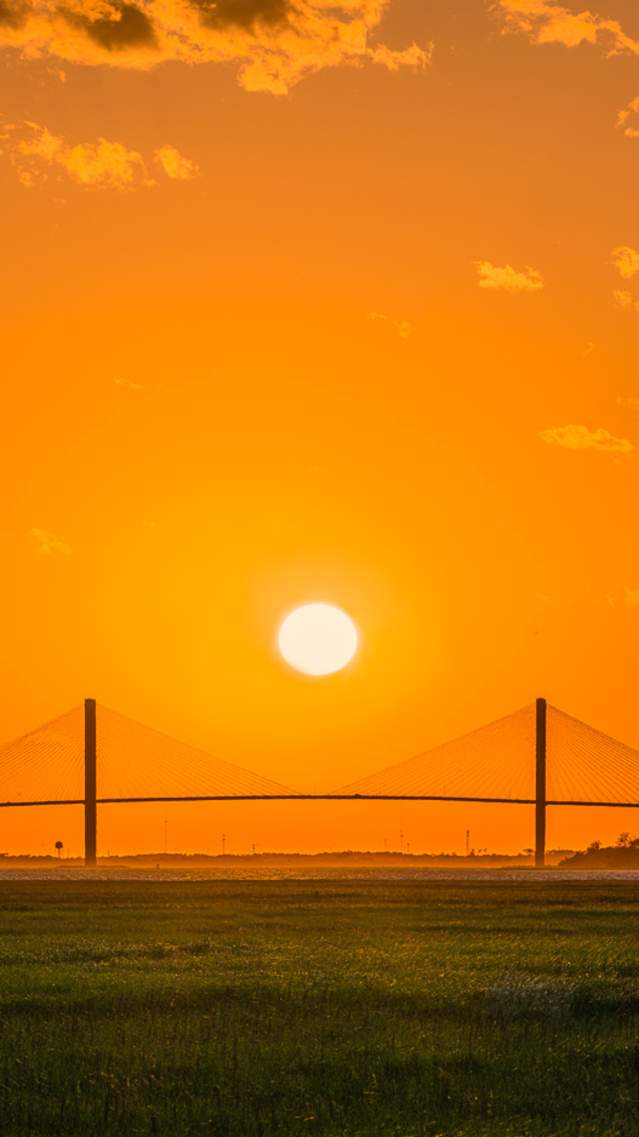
point(90, 783)
point(540, 782)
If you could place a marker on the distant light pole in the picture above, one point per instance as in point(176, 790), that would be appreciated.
point(223, 844)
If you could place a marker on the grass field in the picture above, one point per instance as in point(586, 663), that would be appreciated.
point(349, 1009)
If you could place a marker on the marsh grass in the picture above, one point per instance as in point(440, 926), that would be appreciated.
point(342, 1009)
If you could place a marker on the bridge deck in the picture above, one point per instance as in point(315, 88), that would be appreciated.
point(321, 797)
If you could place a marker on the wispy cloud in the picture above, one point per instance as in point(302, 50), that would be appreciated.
point(129, 384)
point(547, 21)
point(628, 119)
point(393, 60)
point(273, 43)
point(403, 327)
point(574, 437)
point(175, 165)
point(631, 597)
point(631, 401)
point(624, 299)
point(626, 261)
point(47, 543)
point(504, 278)
point(36, 154)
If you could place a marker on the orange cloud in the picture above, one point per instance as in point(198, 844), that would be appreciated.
point(175, 165)
point(504, 278)
point(627, 118)
point(413, 56)
point(626, 261)
point(128, 384)
point(624, 299)
point(274, 43)
point(47, 543)
point(573, 437)
point(35, 152)
point(403, 327)
point(545, 21)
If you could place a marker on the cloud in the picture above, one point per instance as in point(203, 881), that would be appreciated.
point(47, 543)
point(626, 261)
point(581, 438)
point(631, 597)
point(273, 43)
point(546, 21)
point(507, 279)
point(175, 165)
point(129, 384)
point(413, 56)
point(36, 154)
point(624, 299)
point(631, 401)
point(403, 327)
point(626, 119)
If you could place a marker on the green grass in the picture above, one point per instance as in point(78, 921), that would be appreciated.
point(342, 1009)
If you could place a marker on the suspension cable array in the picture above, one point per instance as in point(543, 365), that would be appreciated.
point(538, 756)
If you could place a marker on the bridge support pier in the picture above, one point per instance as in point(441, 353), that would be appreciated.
point(90, 783)
point(540, 782)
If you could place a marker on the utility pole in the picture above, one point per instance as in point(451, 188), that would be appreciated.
point(90, 783)
point(540, 782)
point(223, 844)
point(467, 842)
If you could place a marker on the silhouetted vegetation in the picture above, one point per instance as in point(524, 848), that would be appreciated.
point(624, 854)
point(375, 859)
point(341, 1008)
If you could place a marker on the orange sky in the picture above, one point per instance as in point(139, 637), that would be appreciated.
point(313, 302)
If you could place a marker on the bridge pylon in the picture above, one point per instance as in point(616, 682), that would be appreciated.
point(492, 765)
point(541, 716)
point(90, 783)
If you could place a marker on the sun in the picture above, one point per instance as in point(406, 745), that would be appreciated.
point(317, 639)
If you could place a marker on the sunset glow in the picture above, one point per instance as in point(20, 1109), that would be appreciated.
point(307, 300)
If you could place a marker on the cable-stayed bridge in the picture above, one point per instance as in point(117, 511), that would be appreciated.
point(538, 756)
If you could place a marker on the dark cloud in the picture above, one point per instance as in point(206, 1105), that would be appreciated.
point(246, 14)
point(131, 28)
point(12, 15)
point(273, 43)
